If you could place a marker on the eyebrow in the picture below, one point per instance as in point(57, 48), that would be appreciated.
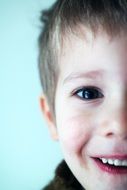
point(94, 74)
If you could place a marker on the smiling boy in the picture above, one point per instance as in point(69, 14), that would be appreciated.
point(83, 70)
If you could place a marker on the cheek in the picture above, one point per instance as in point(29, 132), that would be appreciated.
point(74, 133)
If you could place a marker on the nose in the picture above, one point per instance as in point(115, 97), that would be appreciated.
point(116, 125)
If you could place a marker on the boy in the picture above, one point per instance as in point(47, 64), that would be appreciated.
point(83, 70)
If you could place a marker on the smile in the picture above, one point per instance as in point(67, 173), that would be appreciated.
point(111, 165)
point(115, 162)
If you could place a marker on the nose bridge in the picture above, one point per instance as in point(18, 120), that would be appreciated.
point(120, 112)
point(120, 118)
point(115, 123)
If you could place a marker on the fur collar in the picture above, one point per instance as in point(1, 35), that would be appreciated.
point(64, 179)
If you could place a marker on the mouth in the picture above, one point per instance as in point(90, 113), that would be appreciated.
point(111, 165)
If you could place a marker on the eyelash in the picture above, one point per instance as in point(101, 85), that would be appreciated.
point(88, 93)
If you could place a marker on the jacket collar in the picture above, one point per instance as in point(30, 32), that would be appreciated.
point(64, 178)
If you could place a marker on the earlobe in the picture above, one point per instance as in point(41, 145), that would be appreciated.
point(48, 117)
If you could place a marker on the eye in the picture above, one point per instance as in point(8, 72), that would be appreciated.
point(89, 93)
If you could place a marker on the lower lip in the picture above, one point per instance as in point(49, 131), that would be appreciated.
point(109, 168)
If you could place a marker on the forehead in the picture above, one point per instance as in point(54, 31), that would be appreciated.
point(84, 50)
point(87, 38)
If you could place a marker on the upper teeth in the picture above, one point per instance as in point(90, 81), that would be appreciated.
point(115, 162)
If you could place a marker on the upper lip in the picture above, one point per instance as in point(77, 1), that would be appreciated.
point(112, 156)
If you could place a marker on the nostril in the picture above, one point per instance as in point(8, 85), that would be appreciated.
point(109, 134)
point(116, 128)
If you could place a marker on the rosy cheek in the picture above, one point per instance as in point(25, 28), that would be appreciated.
point(74, 133)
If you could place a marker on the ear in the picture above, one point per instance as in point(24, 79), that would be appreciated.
point(48, 117)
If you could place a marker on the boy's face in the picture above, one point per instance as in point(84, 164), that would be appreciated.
point(91, 109)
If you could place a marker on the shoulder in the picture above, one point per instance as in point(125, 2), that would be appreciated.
point(64, 179)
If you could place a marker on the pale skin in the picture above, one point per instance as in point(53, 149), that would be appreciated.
point(91, 123)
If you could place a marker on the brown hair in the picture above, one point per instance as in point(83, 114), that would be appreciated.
point(61, 19)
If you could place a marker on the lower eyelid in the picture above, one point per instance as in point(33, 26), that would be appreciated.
point(83, 105)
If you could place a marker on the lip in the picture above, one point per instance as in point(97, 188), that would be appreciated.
point(113, 156)
point(110, 169)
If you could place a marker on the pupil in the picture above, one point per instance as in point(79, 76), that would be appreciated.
point(90, 94)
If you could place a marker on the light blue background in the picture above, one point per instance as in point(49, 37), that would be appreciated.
point(27, 154)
